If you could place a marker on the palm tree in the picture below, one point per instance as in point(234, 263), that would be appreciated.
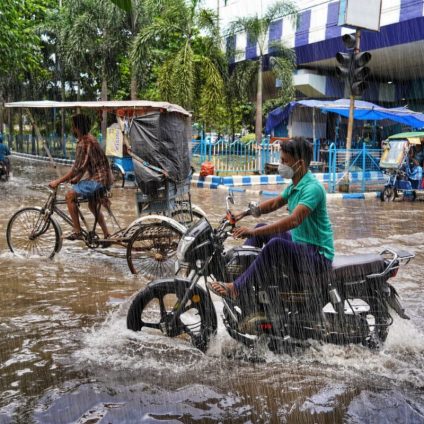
point(256, 28)
point(92, 34)
point(182, 45)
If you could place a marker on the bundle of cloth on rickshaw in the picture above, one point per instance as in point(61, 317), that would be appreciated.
point(161, 139)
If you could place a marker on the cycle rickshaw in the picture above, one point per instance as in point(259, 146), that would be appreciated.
point(395, 163)
point(159, 135)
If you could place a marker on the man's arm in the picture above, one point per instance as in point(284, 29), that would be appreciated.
point(284, 224)
point(272, 205)
point(268, 206)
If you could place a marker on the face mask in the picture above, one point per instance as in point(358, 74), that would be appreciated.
point(286, 171)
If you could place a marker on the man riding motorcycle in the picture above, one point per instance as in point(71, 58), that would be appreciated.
point(300, 242)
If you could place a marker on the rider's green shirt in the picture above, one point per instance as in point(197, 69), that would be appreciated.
point(316, 227)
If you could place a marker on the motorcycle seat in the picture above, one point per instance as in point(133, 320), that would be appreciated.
point(350, 267)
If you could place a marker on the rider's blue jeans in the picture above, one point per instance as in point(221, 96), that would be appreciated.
point(281, 255)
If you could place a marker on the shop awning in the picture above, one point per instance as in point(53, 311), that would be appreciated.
point(364, 111)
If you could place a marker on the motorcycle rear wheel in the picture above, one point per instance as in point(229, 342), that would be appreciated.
point(153, 307)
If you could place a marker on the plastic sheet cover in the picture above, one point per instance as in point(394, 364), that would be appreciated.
point(161, 140)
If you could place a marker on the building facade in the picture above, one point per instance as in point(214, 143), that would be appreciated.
point(397, 64)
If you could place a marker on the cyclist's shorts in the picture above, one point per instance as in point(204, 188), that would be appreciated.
point(87, 189)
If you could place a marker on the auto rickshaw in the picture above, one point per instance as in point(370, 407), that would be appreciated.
point(403, 177)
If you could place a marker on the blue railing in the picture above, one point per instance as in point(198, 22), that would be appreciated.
point(361, 162)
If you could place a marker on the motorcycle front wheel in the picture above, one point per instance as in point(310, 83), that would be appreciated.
point(154, 308)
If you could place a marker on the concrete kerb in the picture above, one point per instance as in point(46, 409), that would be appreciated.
point(265, 193)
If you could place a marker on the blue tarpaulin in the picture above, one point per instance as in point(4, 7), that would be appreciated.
point(364, 111)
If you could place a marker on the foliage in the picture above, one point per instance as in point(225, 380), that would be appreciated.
point(248, 138)
point(181, 44)
point(257, 28)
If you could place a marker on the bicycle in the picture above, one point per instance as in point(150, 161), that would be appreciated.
point(150, 241)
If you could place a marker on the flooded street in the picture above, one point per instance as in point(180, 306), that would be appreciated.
point(67, 357)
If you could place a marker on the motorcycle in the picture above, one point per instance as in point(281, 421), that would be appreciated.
point(348, 304)
point(4, 172)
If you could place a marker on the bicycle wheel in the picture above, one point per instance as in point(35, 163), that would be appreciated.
point(183, 216)
point(153, 307)
point(152, 249)
point(31, 233)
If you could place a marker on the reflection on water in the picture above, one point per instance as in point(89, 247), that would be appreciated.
point(66, 355)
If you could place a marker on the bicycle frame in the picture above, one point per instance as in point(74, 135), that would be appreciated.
point(51, 207)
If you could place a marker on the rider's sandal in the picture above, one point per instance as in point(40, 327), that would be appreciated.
point(227, 294)
point(74, 236)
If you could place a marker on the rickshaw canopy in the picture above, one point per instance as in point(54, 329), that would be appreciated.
point(415, 137)
point(396, 148)
point(110, 104)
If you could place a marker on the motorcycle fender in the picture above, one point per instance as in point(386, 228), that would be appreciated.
point(394, 302)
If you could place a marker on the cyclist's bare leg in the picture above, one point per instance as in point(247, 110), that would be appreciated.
point(71, 202)
point(94, 207)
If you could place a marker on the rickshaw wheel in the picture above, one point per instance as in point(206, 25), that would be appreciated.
point(152, 250)
point(388, 194)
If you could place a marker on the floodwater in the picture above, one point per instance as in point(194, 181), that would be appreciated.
point(67, 357)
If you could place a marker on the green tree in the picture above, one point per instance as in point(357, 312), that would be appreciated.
point(181, 43)
point(256, 28)
point(21, 62)
point(92, 35)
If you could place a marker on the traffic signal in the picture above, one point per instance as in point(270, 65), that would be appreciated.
point(343, 69)
point(351, 67)
point(360, 73)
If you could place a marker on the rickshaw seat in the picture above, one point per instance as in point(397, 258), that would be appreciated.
point(350, 267)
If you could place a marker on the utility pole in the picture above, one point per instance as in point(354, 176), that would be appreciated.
point(351, 69)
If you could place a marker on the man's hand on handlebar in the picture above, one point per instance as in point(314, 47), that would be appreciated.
point(242, 232)
point(54, 184)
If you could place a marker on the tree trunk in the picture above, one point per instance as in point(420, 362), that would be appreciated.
point(104, 113)
point(258, 131)
point(134, 86)
point(62, 119)
point(1, 112)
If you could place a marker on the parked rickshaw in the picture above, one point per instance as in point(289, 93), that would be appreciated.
point(158, 141)
point(403, 176)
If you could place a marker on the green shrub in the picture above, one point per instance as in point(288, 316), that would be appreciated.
point(248, 138)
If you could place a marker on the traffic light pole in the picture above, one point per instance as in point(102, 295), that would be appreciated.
point(344, 186)
point(352, 97)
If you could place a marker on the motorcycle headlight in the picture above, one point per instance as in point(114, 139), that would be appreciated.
point(183, 246)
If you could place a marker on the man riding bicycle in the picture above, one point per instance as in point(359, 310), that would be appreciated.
point(4, 152)
point(92, 164)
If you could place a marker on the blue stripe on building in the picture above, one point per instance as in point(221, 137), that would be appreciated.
point(275, 33)
point(302, 33)
point(250, 48)
point(410, 9)
point(389, 35)
point(332, 30)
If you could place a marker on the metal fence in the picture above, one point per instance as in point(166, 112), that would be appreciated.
point(362, 162)
point(246, 158)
